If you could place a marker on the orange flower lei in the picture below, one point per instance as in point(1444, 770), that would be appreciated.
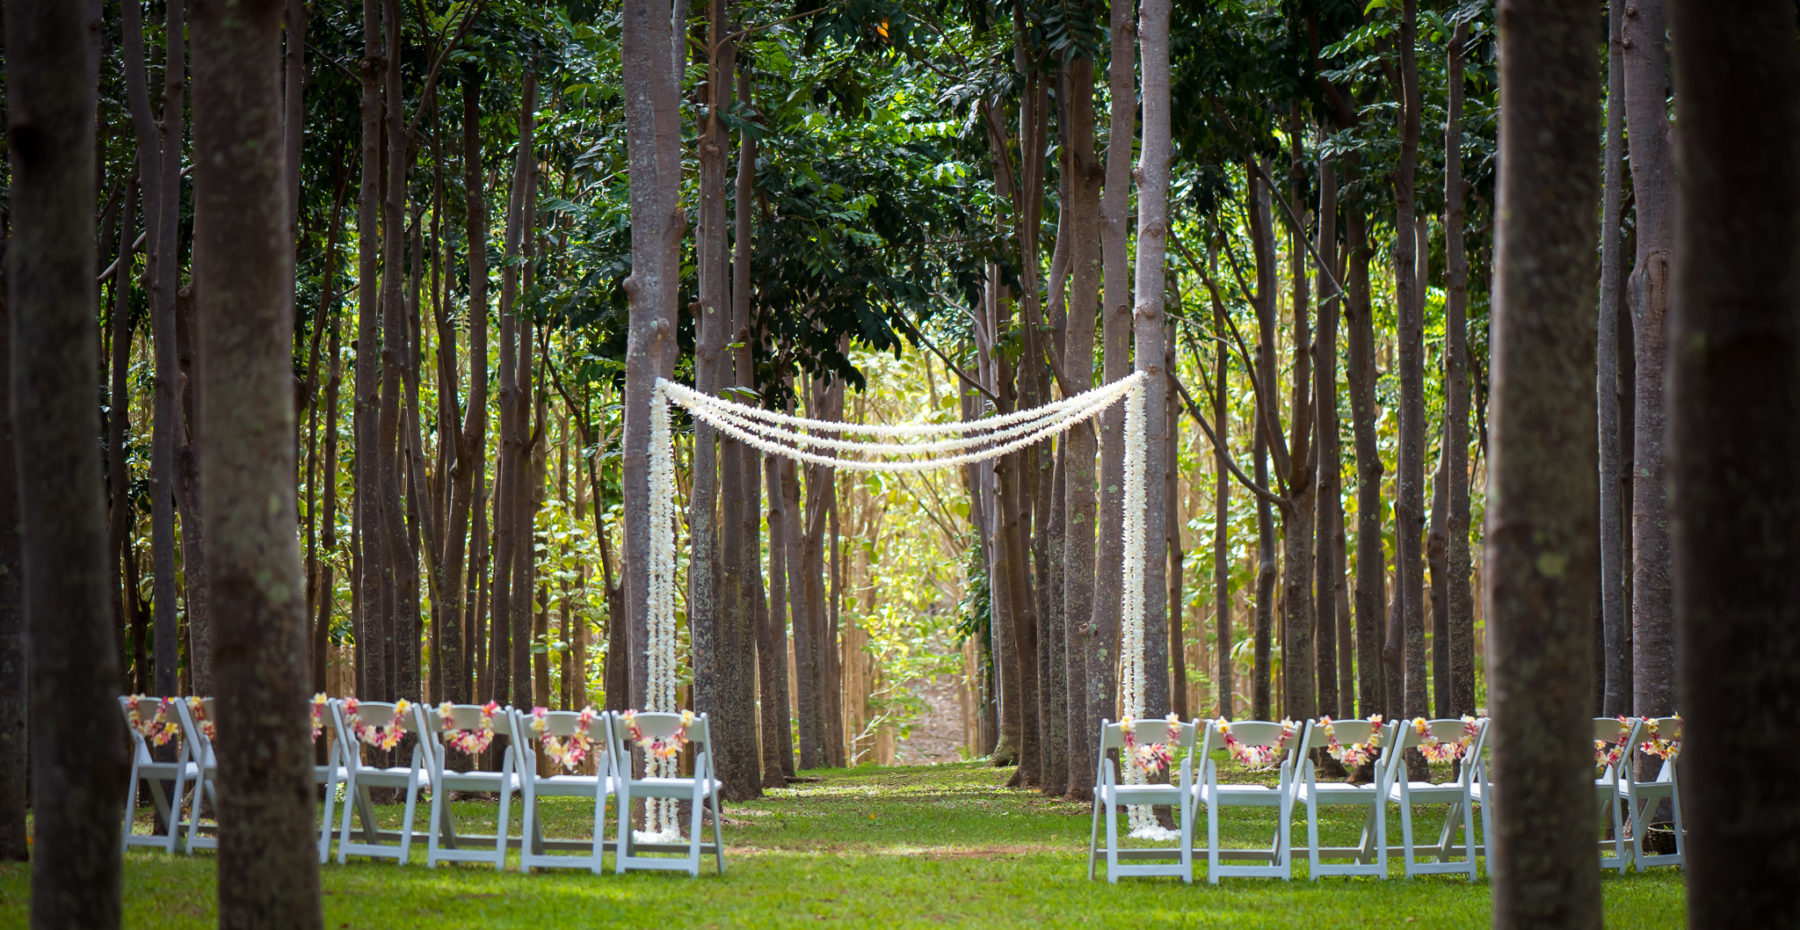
point(576, 749)
point(661, 747)
point(1436, 750)
point(1665, 749)
point(160, 729)
point(318, 715)
point(197, 707)
point(1356, 754)
point(1608, 754)
point(467, 741)
point(1259, 757)
point(380, 737)
point(1150, 757)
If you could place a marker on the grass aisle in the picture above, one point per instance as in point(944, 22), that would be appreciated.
point(934, 845)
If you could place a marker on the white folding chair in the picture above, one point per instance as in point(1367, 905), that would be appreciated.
point(1614, 740)
point(560, 741)
point(1346, 740)
point(329, 775)
point(699, 790)
point(466, 729)
point(376, 720)
point(1262, 744)
point(1175, 738)
point(197, 729)
point(1455, 741)
point(1657, 738)
point(162, 721)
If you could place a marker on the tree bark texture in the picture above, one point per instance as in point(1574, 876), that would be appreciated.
point(1334, 644)
point(78, 757)
point(1653, 188)
point(1542, 506)
point(1409, 502)
point(1265, 429)
point(244, 287)
point(1615, 635)
point(1735, 434)
point(1371, 560)
point(14, 689)
point(1152, 245)
point(1460, 621)
point(1081, 211)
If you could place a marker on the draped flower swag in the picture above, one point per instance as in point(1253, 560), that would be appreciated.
point(158, 730)
point(825, 442)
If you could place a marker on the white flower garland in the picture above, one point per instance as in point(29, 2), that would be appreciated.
point(777, 434)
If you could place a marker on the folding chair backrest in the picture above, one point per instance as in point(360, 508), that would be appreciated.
point(378, 714)
point(1463, 738)
point(1613, 737)
point(1665, 730)
point(1283, 738)
point(462, 717)
point(655, 725)
point(196, 722)
point(561, 725)
point(1112, 735)
point(167, 726)
point(1350, 732)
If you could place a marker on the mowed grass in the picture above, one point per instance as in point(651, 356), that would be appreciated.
point(911, 846)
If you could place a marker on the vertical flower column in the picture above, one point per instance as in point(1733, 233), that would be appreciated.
point(1131, 628)
point(660, 822)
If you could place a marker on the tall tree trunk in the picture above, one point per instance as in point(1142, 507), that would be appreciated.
point(321, 632)
point(1735, 437)
point(78, 757)
point(1266, 426)
point(1299, 681)
point(1225, 638)
point(1653, 187)
point(120, 508)
point(1334, 643)
point(1102, 634)
point(1615, 653)
point(371, 620)
point(1542, 499)
point(470, 469)
point(1371, 561)
point(1437, 562)
point(1461, 618)
point(15, 709)
point(1082, 212)
point(1149, 324)
point(528, 485)
point(1409, 517)
point(653, 144)
point(772, 649)
point(244, 282)
point(400, 580)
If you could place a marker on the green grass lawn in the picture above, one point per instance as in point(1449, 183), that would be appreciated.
point(869, 846)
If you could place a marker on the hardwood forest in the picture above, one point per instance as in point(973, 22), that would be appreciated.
point(1467, 335)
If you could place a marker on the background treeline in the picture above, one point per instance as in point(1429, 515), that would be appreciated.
point(885, 210)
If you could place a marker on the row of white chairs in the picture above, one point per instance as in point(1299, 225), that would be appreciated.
point(535, 741)
point(1288, 749)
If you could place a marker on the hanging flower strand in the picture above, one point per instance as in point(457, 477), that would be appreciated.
point(1436, 750)
point(1150, 758)
point(158, 730)
point(197, 707)
point(1668, 749)
point(469, 742)
point(379, 737)
point(318, 715)
point(1608, 753)
point(569, 752)
point(1256, 757)
point(1354, 755)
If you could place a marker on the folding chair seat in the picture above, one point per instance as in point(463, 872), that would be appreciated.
point(467, 729)
point(331, 773)
point(1443, 740)
point(1259, 744)
point(1364, 739)
point(381, 726)
point(1614, 739)
point(562, 741)
point(1658, 738)
point(664, 734)
point(154, 721)
point(197, 729)
point(1151, 747)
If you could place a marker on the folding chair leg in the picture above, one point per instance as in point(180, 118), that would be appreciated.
point(528, 800)
point(193, 832)
point(1212, 843)
point(599, 864)
point(1187, 844)
point(696, 808)
point(1112, 842)
point(1468, 813)
point(406, 828)
point(1312, 837)
point(1094, 839)
point(500, 828)
point(325, 818)
point(433, 818)
point(718, 837)
point(1406, 836)
point(624, 850)
point(351, 799)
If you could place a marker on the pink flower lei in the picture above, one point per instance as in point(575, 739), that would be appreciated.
point(1257, 757)
point(159, 730)
point(197, 707)
point(1150, 757)
point(661, 747)
point(380, 737)
point(469, 742)
point(1356, 754)
point(1436, 750)
point(1666, 749)
point(318, 715)
point(569, 753)
point(1608, 754)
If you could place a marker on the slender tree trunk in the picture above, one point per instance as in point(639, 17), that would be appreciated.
point(1336, 684)
point(1371, 561)
point(15, 843)
point(528, 484)
point(1102, 635)
point(1437, 561)
point(1653, 186)
point(1542, 499)
point(78, 757)
point(1461, 618)
point(120, 508)
point(1409, 514)
point(653, 141)
point(321, 633)
point(400, 578)
point(244, 282)
point(1149, 325)
point(1615, 653)
point(1262, 238)
point(1735, 436)
point(748, 627)
point(1299, 680)
point(371, 657)
point(1226, 639)
point(778, 736)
